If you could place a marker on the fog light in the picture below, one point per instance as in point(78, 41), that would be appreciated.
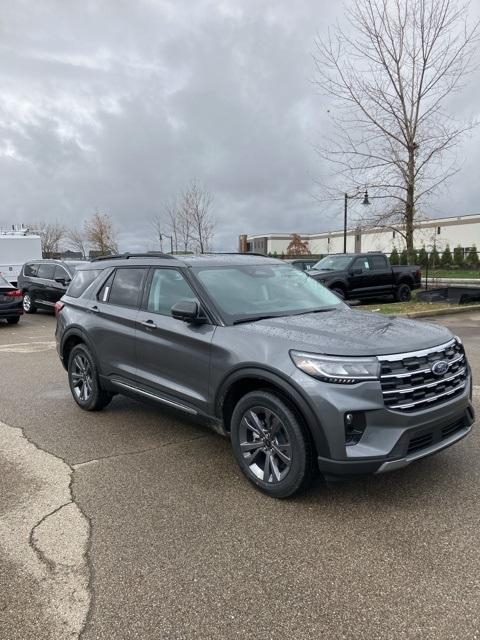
point(355, 424)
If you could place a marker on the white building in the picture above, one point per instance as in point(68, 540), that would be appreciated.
point(461, 231)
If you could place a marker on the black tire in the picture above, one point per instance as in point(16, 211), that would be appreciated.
point(15, 320)
point(284, 435)
point(338, 292)
point(28, 305)
point(84, 380)
point(403, 293)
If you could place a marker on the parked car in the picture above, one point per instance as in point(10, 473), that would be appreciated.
point(43, 282)
point(10, 302)
point(269, 357)
point(366, 275)
point(304, 264)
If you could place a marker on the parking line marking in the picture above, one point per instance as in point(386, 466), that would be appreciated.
point(28, 347)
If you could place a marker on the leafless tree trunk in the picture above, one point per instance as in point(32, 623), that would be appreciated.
point(101, 234)
point(158, 228)
point(389, 75)
point(77, 241)
point(196, 207)
point(51, 234)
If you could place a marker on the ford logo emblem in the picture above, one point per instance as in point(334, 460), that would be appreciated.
point(439, 368)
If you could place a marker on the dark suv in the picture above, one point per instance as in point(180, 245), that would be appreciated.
point(43, 282)
point(269, 357)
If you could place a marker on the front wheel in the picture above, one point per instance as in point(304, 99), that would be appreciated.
point(84, 381)
point(271, 445)
point(28, 305)
point(403, 293)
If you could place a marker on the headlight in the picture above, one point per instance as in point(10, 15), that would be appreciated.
point(338, 370)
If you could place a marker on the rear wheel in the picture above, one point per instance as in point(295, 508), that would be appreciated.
point(13, 320)
point(403, 293)
point(271, 445)
point(28, 305)
point(84, 381)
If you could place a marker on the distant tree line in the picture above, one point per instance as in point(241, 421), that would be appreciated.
point(434, 259)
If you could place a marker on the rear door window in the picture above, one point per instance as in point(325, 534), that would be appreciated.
point(127, 287)
point(46, 271)
point(378, 263)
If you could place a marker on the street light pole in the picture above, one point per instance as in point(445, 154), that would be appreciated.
point(345, 213)
point(164, 235)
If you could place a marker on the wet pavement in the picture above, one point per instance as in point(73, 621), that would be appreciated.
point(136, 523)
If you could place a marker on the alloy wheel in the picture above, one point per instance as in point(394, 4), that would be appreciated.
point(27, 303)
point(265, 445)
point(82, 377)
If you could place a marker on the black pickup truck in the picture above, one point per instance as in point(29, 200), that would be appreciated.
point(366, 275)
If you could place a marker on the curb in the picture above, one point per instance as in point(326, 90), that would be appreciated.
point(444, 311)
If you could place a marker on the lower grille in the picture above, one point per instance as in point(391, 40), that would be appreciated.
point(421, 379)
point(428, 438)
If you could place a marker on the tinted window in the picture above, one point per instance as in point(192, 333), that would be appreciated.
point(168, 287)
point(333, 263)
point(361, 263)
point(46, 271)
point(379, 263)
point(60, 272)
point(126, 287)
point(81, 281)
point(30, 270)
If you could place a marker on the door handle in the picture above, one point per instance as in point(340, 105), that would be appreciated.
point(149, 324)
point(95, 309)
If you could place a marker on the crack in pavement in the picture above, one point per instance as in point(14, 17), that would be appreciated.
point(45, 536)
point(78, 465)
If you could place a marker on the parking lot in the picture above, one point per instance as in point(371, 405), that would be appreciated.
point(165, 538)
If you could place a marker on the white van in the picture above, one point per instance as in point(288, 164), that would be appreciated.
point(16, 249)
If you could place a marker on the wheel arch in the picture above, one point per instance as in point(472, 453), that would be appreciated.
point(71, 338)
point(242, 381)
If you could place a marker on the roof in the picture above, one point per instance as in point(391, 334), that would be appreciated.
point(164, 260)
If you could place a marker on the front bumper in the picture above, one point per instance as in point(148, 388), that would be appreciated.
point(392, 439)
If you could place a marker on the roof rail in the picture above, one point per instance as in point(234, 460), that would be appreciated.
point(233, 253)
point(126, 256)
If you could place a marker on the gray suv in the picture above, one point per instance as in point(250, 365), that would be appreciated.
point(270, 358)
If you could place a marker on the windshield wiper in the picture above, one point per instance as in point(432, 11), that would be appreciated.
point(319, 310)
point(254, 318)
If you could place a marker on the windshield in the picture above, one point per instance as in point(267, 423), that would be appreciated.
point(256, 291)
point(333, 263)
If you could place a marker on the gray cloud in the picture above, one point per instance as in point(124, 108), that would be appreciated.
point(115, 105)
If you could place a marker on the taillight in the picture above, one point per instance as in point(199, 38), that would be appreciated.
point(58, 307)
point(16, 293)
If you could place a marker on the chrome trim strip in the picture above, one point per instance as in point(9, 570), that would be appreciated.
point(418, 371)
point(429, 385)
point(419, 354)
point(391, 465)
point(154, 396)
point(426, 400)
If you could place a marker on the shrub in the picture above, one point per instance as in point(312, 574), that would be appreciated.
point(446, 259)
point(458, 257)
point(394, 257)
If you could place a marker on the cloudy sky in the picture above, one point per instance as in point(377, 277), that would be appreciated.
point(115, 104)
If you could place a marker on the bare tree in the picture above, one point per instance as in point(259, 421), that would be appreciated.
point(196, 209)
point(158, 227)
point(51, 234)
point(389, 76)
point(101, 234)
point(77, 240)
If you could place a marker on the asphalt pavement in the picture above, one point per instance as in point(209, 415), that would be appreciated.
point(136, 523)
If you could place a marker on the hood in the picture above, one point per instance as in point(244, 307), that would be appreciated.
point(325, 272)
point(350, 333)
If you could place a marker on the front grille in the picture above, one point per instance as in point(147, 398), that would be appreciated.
point(433, 437)
point(408, 382)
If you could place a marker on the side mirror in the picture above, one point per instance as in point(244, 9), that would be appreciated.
point(357, 272)
point(188, 311)
point(63, 281)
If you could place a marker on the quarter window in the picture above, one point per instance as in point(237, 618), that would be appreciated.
point(81, 281)
point(168, 287)
point(126, 287)
point(60, 272)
